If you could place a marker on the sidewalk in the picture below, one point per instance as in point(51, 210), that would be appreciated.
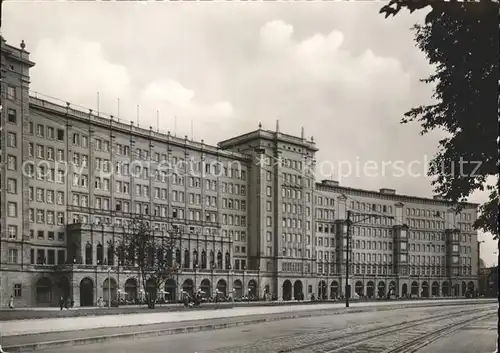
point(20, 327)
point(53, 339)
point(15, 340)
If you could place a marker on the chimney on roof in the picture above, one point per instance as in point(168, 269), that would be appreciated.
point(330, 182)
point(302, 135)
point(388, 191)
point(277, 126)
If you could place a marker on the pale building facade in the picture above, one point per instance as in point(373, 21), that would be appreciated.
point(251, 215)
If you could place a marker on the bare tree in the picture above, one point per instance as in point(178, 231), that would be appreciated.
point(151, 251)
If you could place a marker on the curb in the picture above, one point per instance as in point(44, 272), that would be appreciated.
point(205, 327)
point(17, 315)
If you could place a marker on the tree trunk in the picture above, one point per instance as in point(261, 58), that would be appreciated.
point(498, 295)
point(150, 300)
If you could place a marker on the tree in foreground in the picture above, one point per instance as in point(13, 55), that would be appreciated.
point(151, 252)
point(461, 40)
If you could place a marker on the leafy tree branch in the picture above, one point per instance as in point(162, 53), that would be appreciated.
point(461, 40)
point(151, 252)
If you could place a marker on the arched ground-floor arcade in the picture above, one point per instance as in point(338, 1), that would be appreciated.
point(372, 287)
point(86, 286)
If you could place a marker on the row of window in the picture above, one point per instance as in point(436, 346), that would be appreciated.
point(43, 256)
point(234, 204)
point(380, 220)
point(293, 223)
point(422, 224)
point(288, 207)
point(47, 256)
point(356, 269)
point(466, 227)
point(121, 167)
point(291, 238)
point(292, 179)
point(291, 252)
point(161, 211)
point(46, 217)
point(82, 140)
point(290, 163)
point(47, 153)
point(439, 214)
point(322, 213)
point(365, 207)
point(48, 132)
point(234, 220)
point(81, 181)
point(44, 173)
point(143, 154)
point(13, 230)
point(325, 201)
point(292, 267)
point(240, 249)
point(178, 213)
point(291, 194)
point(236, 235)
point(50, 235)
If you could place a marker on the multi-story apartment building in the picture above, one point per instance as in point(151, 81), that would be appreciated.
point(252, 217)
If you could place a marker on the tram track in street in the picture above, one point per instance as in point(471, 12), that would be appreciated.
point(413, 345)
point(336, 340)
point(406, 337)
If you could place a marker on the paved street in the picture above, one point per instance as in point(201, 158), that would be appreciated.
point(294, 335)
point(479, 337)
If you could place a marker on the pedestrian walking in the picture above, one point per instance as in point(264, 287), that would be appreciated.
point(11, 302)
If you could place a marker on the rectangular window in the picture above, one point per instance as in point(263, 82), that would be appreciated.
point(17, 290)
point(12, 162)
point(12, 116)
point(12, 209)
point(12, 186)
point(12, 230)
point(11, 92)
point(40, 130)
point(60, 257)
point(50, 132)
point(12, 140)
point(13, 258)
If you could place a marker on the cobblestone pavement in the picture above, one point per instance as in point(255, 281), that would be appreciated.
point(478, 337)
point(302, 335)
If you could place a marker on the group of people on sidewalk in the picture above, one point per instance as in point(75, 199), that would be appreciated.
point(65, 303)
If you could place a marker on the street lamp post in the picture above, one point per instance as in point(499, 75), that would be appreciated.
point(479, 253)
point(258, 282)
point(109, 287)
point(212, 267)
point(347, 292)
point(195, 268)
point(243, 289)
point(228, 278)
point(328, 289)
